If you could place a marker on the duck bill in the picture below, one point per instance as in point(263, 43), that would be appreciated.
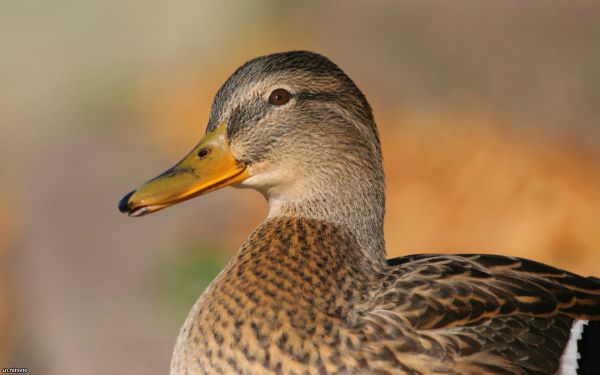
point(208, 167)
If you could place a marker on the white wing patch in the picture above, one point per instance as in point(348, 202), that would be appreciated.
point(568, 361)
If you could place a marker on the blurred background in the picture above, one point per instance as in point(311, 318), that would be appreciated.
point(489, 116)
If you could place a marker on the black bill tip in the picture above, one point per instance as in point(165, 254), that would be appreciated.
point(124, 203)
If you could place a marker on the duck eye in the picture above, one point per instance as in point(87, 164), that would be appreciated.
point(203, 152)
point(279, 97)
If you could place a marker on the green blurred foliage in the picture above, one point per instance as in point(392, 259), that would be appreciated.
point(186, 271)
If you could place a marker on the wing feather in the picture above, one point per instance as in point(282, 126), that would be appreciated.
point(477, 313)
point(442, 291)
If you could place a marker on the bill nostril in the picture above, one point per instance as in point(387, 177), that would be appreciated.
point(124, 202)
point(203, 152)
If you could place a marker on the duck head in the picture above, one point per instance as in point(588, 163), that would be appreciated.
point(291, 125)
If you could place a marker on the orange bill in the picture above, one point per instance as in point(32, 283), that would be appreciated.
point(208, 167)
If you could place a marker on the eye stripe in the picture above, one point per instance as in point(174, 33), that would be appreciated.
point(321, 96)
point(250, 112)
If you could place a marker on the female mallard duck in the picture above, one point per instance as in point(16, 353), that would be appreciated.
point(310, 291)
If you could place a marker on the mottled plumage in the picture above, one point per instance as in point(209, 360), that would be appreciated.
point(300, 297)
point(310, 291)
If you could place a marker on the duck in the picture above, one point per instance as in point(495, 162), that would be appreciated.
point(310, 291)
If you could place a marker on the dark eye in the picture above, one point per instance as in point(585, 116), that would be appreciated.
point(279, 97)
point(203, 152)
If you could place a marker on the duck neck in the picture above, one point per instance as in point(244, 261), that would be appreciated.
point(353, 198)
